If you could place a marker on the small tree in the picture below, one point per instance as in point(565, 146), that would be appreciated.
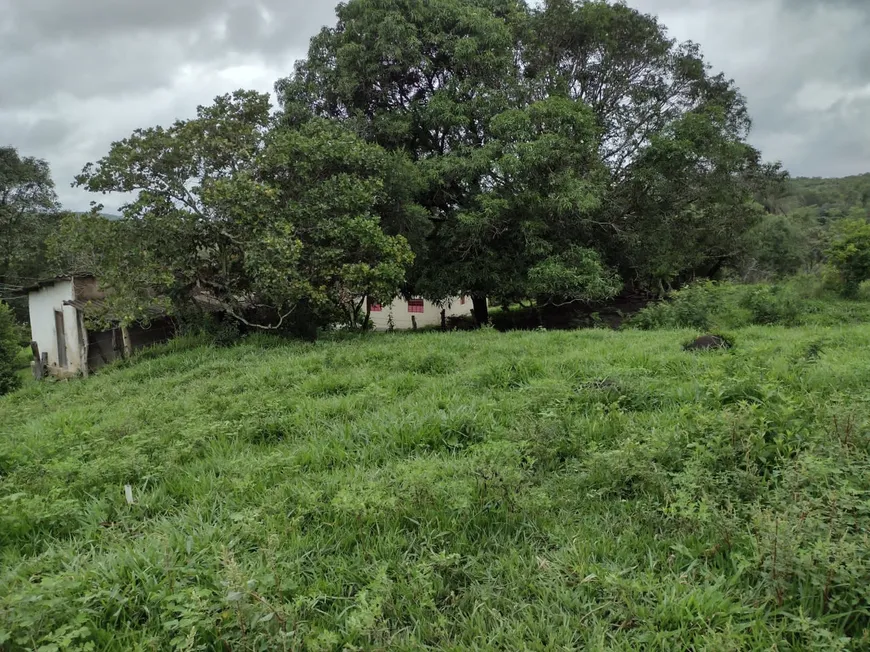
point(849, 254)
point(9, 380)
point(779, 246)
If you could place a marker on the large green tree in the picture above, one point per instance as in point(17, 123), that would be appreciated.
point(527, 232)
point(683, 179)
point(674, 182)
point(423, 77)
point(28, 215)
point(277, 227)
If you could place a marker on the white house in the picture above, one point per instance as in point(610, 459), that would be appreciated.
point(403, 314)
point(58, 311)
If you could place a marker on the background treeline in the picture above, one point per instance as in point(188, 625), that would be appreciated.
point(805, 217)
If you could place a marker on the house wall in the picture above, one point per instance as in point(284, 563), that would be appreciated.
point(431, 315)
point(43, 304)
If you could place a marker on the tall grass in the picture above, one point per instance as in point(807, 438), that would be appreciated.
point(591, 490)
point(801, 301)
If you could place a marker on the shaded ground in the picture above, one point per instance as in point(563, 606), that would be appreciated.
point(611, 314)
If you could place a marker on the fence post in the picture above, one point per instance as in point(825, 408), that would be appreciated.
point(37, 365)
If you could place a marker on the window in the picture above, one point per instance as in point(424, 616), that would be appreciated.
point(415, 305)
point(375, 307)
point(462, 301)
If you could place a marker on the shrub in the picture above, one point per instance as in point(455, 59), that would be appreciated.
point(9, 347)
point(849, 255)
point(772, 304)
point(691, 307)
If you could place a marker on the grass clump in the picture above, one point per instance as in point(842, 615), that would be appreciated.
point(539, 490)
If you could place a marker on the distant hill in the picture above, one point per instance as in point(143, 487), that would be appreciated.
point(831, 197)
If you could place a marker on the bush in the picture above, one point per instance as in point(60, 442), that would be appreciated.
point(9, 347)
point(772, 304)
point(779, 246)
point(849, 255)
point(691, 307)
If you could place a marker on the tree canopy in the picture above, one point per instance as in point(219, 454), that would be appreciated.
point(277, 227)
point(561, 151)
point(625, 153)
point(28, 213)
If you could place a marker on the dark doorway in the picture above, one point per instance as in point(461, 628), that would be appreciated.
point(62, 360)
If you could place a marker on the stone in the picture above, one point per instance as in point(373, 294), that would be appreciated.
point(708, 343)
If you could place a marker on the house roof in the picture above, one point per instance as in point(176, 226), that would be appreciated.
point(47, 282)
point(98, 308)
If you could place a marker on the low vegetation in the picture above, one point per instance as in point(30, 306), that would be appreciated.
point(9, 348)
point(547, 490)
point(716, 306)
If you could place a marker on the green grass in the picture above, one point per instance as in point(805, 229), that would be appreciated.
point(543, 490)
point(22, 365)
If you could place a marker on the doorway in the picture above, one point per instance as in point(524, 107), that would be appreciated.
point(62, 360)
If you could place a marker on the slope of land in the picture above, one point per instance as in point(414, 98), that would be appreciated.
point(472, 490)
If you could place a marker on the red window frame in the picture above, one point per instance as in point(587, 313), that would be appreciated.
point(462, 301)
point(374, 307)
point(416, 306)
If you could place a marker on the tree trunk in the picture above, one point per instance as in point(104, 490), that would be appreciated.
point(480, 308)
point(127, 342)
point(368, 319)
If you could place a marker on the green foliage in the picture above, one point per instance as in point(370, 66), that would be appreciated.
point(28, 214)
point(594, 490)
point(578, 274)
point(830, 199)
point(774, 304)
point(277, 227)
point(849, 254)
point(779, 246)
point(706, 306)
point(806, 215)
point(537, 132)
point(691, 307)
point(10, 345)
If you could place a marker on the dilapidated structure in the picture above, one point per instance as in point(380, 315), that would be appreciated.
point(60, 309)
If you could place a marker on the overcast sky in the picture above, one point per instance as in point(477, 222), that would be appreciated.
point(76, 75)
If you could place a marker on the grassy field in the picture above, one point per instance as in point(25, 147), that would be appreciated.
point(540, 490)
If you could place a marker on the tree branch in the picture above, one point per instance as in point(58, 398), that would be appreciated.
point(260, 326)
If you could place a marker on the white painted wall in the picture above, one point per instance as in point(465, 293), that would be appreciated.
point(43, 303)
point(431, 315)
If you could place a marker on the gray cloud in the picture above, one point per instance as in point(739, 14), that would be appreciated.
point(78, 74)
point(804, 66)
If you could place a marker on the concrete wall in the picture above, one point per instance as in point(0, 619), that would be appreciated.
point(43, 304)
point(431, 315)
